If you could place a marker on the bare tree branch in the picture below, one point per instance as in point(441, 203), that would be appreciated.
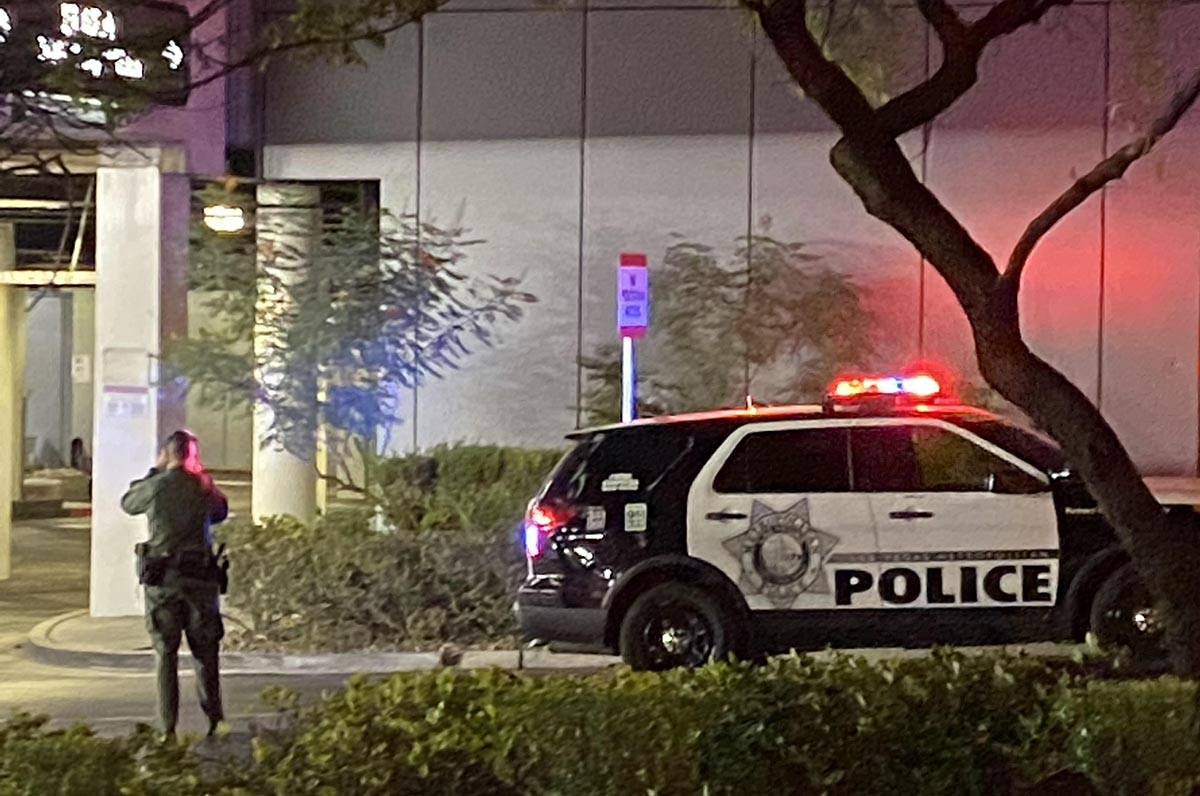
point(962, 47)
point(872, 163)
point(786, 23)
point(1111, 168)
point(1009, 16)
point(944, 20)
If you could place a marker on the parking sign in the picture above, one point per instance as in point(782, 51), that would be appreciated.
point(633, 296)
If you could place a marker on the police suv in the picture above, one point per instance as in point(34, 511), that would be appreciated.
point(888, 516)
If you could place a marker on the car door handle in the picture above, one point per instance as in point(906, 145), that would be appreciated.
point(910, 515)
point(724, 516)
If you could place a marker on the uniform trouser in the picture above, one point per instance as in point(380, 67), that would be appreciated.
point(192, 609)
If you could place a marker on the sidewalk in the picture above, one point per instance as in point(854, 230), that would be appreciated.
point(77, 640)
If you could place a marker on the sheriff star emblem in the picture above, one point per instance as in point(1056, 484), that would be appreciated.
point(782, 555)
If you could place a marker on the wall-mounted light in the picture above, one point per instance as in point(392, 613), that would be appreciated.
point(222, 218)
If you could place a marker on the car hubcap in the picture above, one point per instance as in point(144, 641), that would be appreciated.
point(677, 635)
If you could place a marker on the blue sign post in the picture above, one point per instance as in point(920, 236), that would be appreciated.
point(633, 319)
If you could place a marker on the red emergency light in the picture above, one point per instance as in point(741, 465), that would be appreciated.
point(541, 522)
point(920, 385)
point(916, 389)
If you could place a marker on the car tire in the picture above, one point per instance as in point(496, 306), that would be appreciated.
point(1122, 622)
point(674, 625)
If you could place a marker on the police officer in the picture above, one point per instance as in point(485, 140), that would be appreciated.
point(181, 576)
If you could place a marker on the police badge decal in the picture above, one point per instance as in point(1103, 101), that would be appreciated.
point(781, 554)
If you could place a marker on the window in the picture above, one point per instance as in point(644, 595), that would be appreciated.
point(884, 460)
point(632, 462)
point(1030, 446)
point(793, 461)
point(925, 458)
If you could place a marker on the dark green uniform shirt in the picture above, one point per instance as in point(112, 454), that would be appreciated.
point(180, 507)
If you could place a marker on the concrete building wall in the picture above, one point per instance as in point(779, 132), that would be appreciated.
point(561, 138)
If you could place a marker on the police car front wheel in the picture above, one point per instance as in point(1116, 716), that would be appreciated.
point(675, 625)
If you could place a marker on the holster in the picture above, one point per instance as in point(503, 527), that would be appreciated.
point(192, 564)
point(151, 570)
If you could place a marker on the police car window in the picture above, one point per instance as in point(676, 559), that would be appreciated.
point(922, 458)
point(950, 463)
point(1025, 444)
point(793, 461)
point(884, 460)
point(641, 456)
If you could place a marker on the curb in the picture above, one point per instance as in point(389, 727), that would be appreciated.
point(43, 649)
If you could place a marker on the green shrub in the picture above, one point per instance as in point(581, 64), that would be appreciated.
point(948, 724)
point(35, 760)
point(337, 586)
point(476, 489)
point(1135, 737)
point(38, 761)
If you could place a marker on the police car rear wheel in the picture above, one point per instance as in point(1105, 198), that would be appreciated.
point(674, 625)
point(1123, 619)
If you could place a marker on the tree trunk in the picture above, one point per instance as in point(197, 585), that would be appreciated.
point(1164, 548)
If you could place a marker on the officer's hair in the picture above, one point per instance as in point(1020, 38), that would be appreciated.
point(184, 446)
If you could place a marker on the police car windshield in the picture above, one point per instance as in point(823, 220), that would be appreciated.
point(1024, 443)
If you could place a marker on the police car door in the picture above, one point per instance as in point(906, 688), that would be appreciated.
point(961, 523)
point(773, 510)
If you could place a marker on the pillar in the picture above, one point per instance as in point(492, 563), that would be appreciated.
point(129, 224)
point(288, 220)
point(12, 376)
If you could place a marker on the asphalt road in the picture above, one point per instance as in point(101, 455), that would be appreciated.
point(50, 576)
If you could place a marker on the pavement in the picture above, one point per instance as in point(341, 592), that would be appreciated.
point(79, 640)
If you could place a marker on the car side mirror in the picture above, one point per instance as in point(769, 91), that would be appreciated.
point(1014, 482)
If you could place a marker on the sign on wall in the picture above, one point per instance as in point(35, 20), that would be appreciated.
point(81, 368)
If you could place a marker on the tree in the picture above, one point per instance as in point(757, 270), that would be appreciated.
point(380, 303)
point(74, 76)
point(868, 158)
point(768, 319)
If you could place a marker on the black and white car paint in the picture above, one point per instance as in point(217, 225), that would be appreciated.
point(679, 539)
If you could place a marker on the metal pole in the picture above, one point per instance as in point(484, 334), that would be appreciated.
point(628, 379)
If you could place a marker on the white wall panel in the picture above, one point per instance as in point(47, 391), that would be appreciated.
point(520, 196)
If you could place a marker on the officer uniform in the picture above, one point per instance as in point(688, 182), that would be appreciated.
point(181, 508)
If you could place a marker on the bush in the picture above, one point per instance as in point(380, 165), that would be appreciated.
point(37, 760)
point(948, 724)
point(337, 586)
point(476, 489)
point(448, 573)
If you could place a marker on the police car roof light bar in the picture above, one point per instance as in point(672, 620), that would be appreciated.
point(882, 392)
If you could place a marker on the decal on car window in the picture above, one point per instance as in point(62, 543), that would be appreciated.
point(596, 518)
point(635, 517)
point(619, 482)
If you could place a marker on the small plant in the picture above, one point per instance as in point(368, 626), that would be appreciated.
point(329, 339)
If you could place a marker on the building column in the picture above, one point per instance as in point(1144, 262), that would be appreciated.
point(129, 224)
point(288, 221)
point(12, 393)
point(173, 295)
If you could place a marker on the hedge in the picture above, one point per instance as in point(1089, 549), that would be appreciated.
point(946, 724)
point(476, 490)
